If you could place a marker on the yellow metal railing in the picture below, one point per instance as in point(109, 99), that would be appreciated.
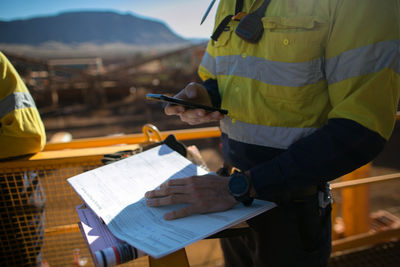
point(365, 238)
point(189, 134)
point(366, 181)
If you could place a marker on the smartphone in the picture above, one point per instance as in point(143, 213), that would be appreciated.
point(186, 104)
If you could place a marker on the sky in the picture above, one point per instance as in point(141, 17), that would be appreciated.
point(182, 16)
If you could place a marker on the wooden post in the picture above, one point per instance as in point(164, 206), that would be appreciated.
point(355, 203)
point(178, 258)
point(53, 87)
point(335, 208)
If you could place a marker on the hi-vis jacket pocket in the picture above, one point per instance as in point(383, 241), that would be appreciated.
point(294, 39)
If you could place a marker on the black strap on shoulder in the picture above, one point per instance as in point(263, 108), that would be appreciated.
point(239, 6)
point(221, 27)
point(225, 21)
point(261, 10)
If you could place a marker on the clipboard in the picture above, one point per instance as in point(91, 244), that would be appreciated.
point(106, 250)
point(115, 193)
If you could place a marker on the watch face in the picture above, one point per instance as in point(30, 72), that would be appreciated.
point(238, 184)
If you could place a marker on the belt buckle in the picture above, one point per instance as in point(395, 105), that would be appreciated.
point(324, 197)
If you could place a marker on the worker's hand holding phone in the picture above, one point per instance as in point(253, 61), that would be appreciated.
point(180, 102)
point(192, 104)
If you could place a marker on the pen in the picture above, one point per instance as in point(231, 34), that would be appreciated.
point(208, 11)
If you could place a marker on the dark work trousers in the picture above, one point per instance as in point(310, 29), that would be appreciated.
point(296, 233)
point(22, 219)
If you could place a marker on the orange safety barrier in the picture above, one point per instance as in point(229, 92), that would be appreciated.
point(187, 134)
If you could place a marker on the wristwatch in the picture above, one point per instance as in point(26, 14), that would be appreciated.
point(239, 187)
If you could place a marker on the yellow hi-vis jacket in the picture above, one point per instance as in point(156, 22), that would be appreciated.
point(316, 60)
point(21, 128)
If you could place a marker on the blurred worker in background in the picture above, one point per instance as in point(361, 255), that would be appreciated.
point(21, 198)
point(312, 89)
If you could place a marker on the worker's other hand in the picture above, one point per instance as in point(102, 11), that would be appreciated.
point(203, 194)
point(197, 93)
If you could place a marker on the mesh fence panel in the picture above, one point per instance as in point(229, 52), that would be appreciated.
point(38, 210)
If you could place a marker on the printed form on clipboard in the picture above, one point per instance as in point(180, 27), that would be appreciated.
point(115, 193)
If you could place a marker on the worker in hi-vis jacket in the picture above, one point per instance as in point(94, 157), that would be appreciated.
point(312, 89)
point(21, 197)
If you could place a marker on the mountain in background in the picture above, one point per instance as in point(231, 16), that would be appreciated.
point(92, 27)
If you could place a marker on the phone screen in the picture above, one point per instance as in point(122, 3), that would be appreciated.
point(186, 104)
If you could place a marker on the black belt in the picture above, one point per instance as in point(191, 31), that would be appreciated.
point(303, 192)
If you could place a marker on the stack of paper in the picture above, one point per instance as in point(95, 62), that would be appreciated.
point(115, 193)
point(105, 248)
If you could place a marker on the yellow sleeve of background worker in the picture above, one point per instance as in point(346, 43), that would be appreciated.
point(21, 128)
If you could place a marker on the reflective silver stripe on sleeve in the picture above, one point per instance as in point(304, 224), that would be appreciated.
point(364, 60)
point(15, 101)
point(209, 63)
point(292, 74)
point(276, 137)
point(397, 59)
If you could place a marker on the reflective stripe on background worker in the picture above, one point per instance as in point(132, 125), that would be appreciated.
point(315, 97)
point(21, 197)
point(21, 128)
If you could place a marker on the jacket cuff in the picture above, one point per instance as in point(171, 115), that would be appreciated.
point(212, 88)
